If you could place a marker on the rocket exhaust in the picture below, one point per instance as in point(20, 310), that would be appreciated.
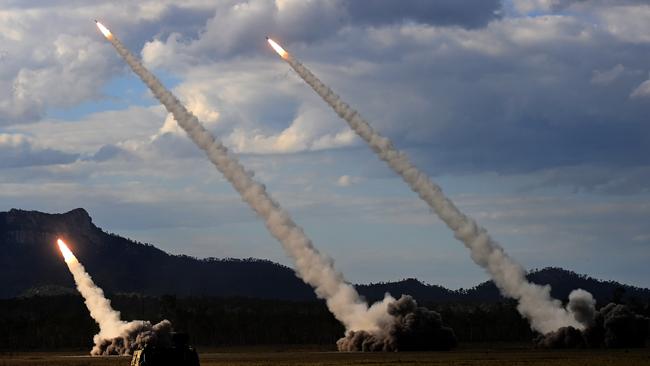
point(115, 337)
point(535, 303)
point(312, 267)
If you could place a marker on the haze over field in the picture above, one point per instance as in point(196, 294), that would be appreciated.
point(532, 116)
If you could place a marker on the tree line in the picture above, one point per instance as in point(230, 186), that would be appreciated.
point(63, 322)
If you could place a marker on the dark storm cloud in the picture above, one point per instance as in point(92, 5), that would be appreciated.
point(508, 107)
point(516, 96)
point(464, 13)
point(237, 28)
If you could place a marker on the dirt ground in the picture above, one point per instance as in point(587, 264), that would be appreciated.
point(465, 357)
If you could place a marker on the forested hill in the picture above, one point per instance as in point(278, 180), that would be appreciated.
point(31, 264)
point(30, 259)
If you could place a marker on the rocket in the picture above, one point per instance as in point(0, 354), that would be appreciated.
point(284, 54)
point(103, 29)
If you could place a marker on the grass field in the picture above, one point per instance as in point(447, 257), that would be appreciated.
point(465, 357)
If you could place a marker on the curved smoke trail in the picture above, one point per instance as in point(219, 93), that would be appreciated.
point(312, 267)
point(535, 302)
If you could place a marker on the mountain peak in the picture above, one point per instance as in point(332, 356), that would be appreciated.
point(23, 227)
point(78, 216)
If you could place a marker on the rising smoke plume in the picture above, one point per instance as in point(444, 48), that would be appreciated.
point(414, 328)
point(613, 326)
point(534, 302)
point(115, 337)
point(135, 335)
point(312, 267)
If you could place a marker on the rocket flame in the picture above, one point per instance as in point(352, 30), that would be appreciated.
point(67, 254)
point(107, 33)
point(278, 48)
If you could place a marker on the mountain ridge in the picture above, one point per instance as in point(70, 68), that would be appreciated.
point(32, 266)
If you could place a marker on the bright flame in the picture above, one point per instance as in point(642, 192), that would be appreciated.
point(104, 30)
point(278, 48)
point(67, 254)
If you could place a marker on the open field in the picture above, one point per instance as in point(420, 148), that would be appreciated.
point(467, 357)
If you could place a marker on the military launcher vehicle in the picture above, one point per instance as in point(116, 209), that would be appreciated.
point(180, 353)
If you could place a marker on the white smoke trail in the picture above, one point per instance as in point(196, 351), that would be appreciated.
point(108, 319)
point(535, 302)
point(115, 337)
point(312, 267)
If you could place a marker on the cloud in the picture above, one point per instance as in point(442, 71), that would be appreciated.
point(506, 97)
point(127, 128)
point(109, 152)
point(347, 180)
point(464, 13)
point(531, 6)
point(643, 90)
point(528, 6)
point(53, 57)
point(482, 90)
point(628, 23)
point(63, 74)
point(616, 180)
point(607, 76)
point(306, 133)
point(18, 151)
point(238, 28)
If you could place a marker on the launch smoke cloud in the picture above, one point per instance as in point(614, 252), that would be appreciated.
point(613, 326)
point(534, 302)
point(135, 335)
point(312, 267)
point(413, 328)
point(115, 337)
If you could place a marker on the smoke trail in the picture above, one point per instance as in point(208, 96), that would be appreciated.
point(313, 267)
point(108, 319)
point(535, 302)
point(115, 337)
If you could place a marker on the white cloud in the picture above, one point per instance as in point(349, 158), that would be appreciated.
point(529, 6)
point(306, 133)
point(92, 132)
point(629, 23)
point(53, 57)
point(643, 90)
point(347, 180)
point(607, 76)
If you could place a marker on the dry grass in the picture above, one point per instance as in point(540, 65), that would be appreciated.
point(466, 357)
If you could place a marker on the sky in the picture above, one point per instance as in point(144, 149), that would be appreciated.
point(531, 114)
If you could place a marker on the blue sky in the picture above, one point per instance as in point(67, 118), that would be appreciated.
point(531, 114)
